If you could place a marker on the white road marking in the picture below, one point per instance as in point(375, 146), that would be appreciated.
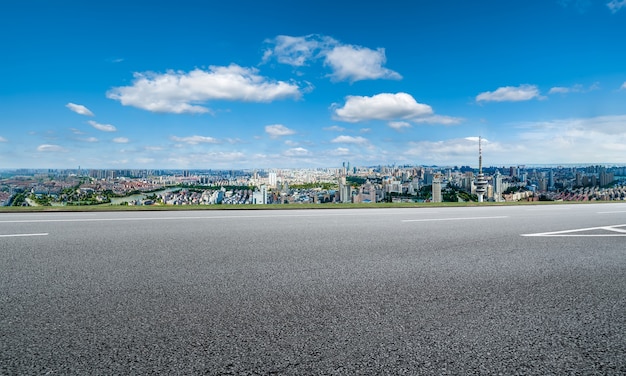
point(613, 231)
point(22, 235)
point(353, 213)
point(612, 212)
point(452, 219)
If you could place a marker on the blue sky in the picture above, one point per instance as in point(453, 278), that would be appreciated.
point(305, 84)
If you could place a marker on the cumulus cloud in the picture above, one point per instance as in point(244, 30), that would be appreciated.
point(616, 5)
point(297, 152)
point(278, 130)
point(347, 62)
point(354, 63)
point(297, 51)
point(510, 94)
point(2, 139)
point(91, 139)
point(340, 152)
point(383, 106)
point(121, 140)
point(578, 88)
point(194, 140)
point(560, 90)
point(438, 119)
point(50, 148)
point(399, 125)
point(350, 140)
point(183, 92)
point(102, 127)
point(79, 109)
point(335, 128)
point(623, 87)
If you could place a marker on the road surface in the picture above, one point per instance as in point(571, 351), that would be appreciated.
point(531, 290)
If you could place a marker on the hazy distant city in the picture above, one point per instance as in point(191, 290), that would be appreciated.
point(345, 184)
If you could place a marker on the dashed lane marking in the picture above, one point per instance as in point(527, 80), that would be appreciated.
point(453, 219)
point(22, 235)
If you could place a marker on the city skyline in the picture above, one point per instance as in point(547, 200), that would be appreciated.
point(248, 85)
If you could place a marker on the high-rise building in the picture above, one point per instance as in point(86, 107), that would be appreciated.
point(272, 179)
point(551, 180)
point(436, 189)
point(497, 187)
point(260, 197)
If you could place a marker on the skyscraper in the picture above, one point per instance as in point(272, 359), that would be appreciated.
point(436, 189)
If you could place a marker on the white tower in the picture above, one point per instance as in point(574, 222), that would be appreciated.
point(481, 183)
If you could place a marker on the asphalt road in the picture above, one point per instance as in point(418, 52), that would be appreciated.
point(532, 290)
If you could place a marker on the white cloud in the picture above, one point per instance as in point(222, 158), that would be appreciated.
point(278, 130)
point(383, 106)
point(91, 139)
point(599, 139)
point(623, 86)
point(76, 131)
point(51, 148)
point(399, 125)
point(510, 94)
point(438, 119)
point(297, 51)
point(102, 127)
point(616, 5)
point(476, 139)
point(458, 151)
point(335, 128)
point(291, 143)
point(79, 109)
point(350, 140)
point(594, 140)
point(578, 88)
point(194, 140)
point(121, 140)
point(297, 152)
point(354, 63)
point(580, 140)
point(559, 90)
point(182, 92)
point(2, 139)
point(347, 62)
point(340, 151)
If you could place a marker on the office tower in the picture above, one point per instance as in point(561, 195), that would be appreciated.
point(272, 179)
point(551, 180)
point(436, 189)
